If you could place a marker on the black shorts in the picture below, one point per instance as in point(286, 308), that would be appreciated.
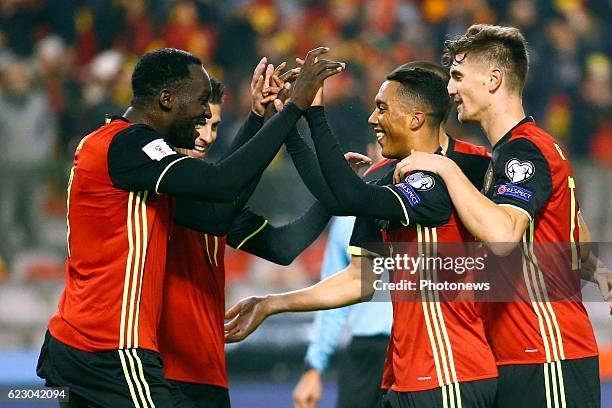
point(116, 378)
point(568, 383)
point(473, 394)
point(193, 395)
point(361, 372)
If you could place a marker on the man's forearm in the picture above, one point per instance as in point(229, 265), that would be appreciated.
point(476, 211)
point(341, 289)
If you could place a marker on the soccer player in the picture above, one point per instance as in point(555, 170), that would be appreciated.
point(102, 342)
point(438, 356)
point(193, 349)
point(545, 346)
point(367, 318)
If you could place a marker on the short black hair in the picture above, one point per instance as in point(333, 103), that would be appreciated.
point(432, 67)
point(217, 92)
point(159, 69)
point(425, 89)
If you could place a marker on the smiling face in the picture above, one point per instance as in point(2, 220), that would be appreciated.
point(469, 88)
point(191, 109)
point(207, 134)
point(390, 121)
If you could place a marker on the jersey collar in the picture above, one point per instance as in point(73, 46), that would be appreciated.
point(111, 118)
point(507, 136)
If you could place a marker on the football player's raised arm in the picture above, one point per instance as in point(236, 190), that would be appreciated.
point(279, 244)
point(307, 165)
point(140, 160)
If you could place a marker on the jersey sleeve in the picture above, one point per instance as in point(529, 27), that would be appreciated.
point(366, 238)
point(522, 177)
point(137, 158)
point(424, 198)
point(245, 227)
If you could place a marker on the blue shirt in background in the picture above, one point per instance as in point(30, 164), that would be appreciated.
point(364, 319)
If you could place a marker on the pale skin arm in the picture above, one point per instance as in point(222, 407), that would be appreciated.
point(593, 269)
point(351, 285)
point(308, 390)
point(476, 211)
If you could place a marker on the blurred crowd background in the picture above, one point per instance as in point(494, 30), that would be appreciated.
point(64, 64)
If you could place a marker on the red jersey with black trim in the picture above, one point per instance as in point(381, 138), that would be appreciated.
point(434, 343)
point(531, 173)
point(191, 328)
point(116, 242)
point(191, 339)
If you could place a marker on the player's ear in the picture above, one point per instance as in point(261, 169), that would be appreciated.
point(496, 76)
point(166, 99)
point(417, 119)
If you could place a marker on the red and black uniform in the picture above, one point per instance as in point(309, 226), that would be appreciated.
point(438, 354)
point(418, 210)
point(193, 348)
point(548, 335)
point(102, 343)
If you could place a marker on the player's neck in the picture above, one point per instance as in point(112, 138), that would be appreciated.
point(502, 116)
point(426, 140)
point(443, 139)
point(136, 115)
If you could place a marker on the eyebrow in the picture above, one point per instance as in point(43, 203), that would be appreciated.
point(379, 102)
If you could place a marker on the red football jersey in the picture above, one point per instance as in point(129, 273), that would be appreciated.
point(116, 249)
point(531, 173)
point(434, 343)
point(191, 328)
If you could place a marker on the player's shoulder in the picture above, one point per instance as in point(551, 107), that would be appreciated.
point(462, 147)
point(529, 137)
point(472, 159)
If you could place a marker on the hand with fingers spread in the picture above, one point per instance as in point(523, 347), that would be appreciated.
point(245, 317)
point(263, 89)
point(257, 85)
point(312, 74)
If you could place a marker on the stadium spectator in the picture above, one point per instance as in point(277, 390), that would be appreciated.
point(28, 130)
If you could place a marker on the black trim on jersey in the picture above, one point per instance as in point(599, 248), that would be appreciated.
point(521, 176)
point(396, 203)
point(132, 169)
point(281, 244)
point(472, 165)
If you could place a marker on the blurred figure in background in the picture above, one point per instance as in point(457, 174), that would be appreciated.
point(369, 325)
point(27, 135)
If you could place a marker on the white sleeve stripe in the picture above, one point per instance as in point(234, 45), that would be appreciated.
point(166, 169)
point(403, 206)
point(358, 251)
point(518, 208)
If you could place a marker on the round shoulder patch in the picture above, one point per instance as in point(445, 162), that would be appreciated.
point(421, 181)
